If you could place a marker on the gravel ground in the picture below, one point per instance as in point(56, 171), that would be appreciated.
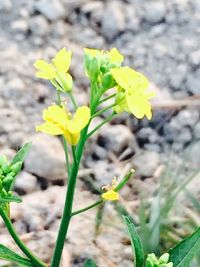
point(160, 39)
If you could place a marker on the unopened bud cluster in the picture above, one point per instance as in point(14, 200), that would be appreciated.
point(153, 261)
point(8, 172)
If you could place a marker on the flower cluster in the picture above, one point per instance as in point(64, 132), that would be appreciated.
point(163, 261)
point(110, 193)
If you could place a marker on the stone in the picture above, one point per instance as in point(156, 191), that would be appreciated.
point(25, 183)
point(51, 9)
point(194, 59)
point(197, 131)
point(39, 25)
point(46, 158)
point(187, 117)
point(178, 77)
point(20, 25)
point(193, 82)
point(115, 138)
point(113, 20)
point(146, 163)
point(154, 12)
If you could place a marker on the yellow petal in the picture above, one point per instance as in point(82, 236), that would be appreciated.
point(55, 114)
point(49, 128)
point(80, 120)
point(72, 139)
point(110, 195)
point(128, 78)
point(115, 56)
point(139, 106)
point(62, 60)
point(44, 67)
point(92, 52)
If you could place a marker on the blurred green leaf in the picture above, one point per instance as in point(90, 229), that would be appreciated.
point(8, 199)
point(7, 254)
point(90, 263)
point(182, 254)
point(21, 154)
point(136, 242)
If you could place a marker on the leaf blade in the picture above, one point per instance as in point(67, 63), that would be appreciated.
point(90, 263)
point(9, 255)
point(182, 254)
point(135, 241)
point(21, 154)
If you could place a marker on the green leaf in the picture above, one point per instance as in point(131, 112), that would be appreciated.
point(21, 154)
point(135, 241)
point(90, 263)
point(10, 199)
point(182, 254)
point(7, 254)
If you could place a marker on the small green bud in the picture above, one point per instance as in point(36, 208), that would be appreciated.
point(108, 81)
point(91, 67)
point(7, 181)
point(1, 185)
point(164, 258)
point(3, 160)
point(5, 168)
point(170, 264)
point(149, 263)
point(16, 168)
point(4, 193)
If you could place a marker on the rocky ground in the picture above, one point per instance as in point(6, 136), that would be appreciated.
point(160, 39)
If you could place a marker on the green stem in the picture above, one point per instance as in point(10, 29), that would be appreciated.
point(66, 156)
point(97, 203)
point(103, 110)
point(109, 118)
point(72, 99)
point(36, 261)
point(74, 153)
point(106, 98)
point(68, 202)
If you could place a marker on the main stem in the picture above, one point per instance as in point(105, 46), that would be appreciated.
point(66, 217)
point(36, 261)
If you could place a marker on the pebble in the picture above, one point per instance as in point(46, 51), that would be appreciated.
point(113, 20)
point(154, 12)
point(146, 162)
point(25, 183)
point(115, 138)
point(51, 9)
point(193, 82)
point(46, 158)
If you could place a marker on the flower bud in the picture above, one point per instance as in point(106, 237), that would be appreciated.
point(164, 258)
point(92, 67)
point(5, 168)
point(3, 160)
point(107, 81)
point(149, 263)
point(16, 168)
point(7, 181)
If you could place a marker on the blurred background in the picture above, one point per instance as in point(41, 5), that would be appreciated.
point(162, 40)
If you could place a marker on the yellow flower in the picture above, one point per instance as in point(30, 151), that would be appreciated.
point(57, 69)
point(132, 93)
point(110, 193)
point(113, 55)
point(59, 122)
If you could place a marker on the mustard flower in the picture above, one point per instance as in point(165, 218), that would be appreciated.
point(110, 193)
point(132, 92)
point(60, 122)
point(57, 70)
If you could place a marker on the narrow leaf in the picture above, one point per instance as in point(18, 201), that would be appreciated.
point(182, 254)
point(7, 254)
point(135, 241)
point(10, 199)
point(21, 154)
point(90, 263)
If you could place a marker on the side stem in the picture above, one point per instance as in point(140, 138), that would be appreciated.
point(35, 260)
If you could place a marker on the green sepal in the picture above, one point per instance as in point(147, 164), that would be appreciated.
point(9, 255)
point(65, 82)
point(107, 81)
point(5, 168)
